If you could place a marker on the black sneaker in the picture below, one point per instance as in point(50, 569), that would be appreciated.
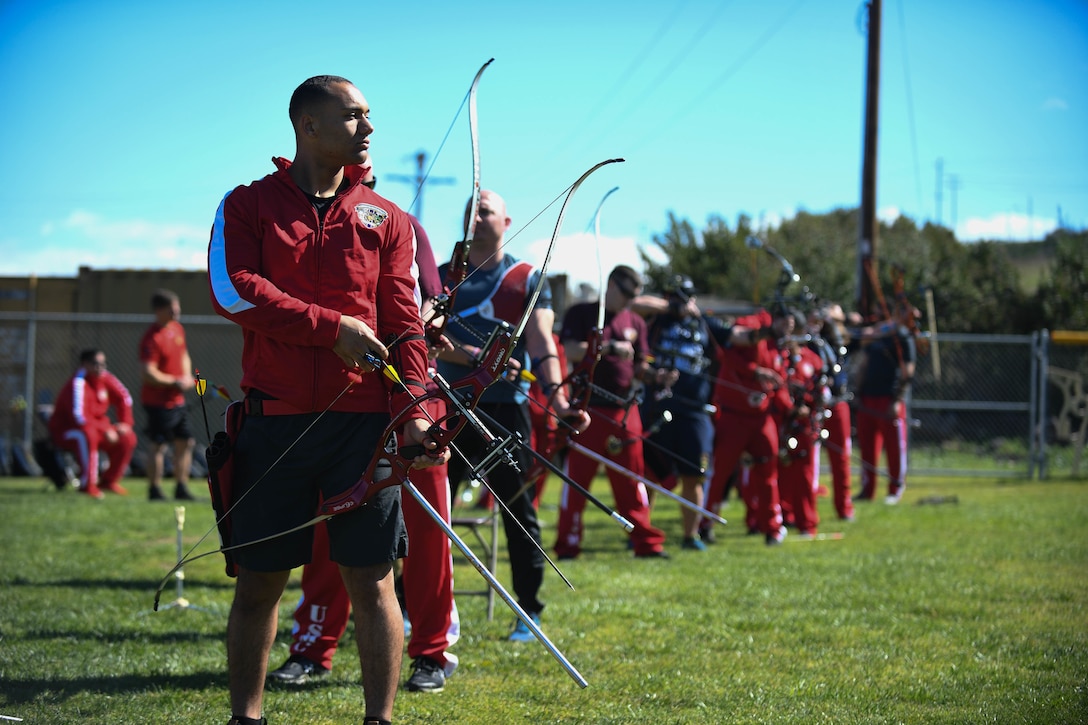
point(182, 493)
point(866, 494)
point(298, 670)
point(155, 494)
point(427, 676)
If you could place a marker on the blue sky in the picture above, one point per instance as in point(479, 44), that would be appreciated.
point(125, 123)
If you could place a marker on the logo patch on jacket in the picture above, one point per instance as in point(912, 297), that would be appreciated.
point(370, 215)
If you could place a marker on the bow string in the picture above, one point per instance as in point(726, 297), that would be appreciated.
point(458, 268)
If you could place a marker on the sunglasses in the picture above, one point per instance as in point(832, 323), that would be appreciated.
point(630, 292)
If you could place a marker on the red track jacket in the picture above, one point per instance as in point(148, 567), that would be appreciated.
point(285, 277)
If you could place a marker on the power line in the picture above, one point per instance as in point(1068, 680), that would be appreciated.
point(729, 72)
point(910, 104)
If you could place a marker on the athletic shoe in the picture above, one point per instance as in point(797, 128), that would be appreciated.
point(707, 535)
point(777, 538)
point(895, 493)
point(521, 632)
point(298, 670)
point(93, 491)
point(427, 676)
point(116, 488)
point(182, 493)
point(865, 494)
point(155, 494)
point(692, 544)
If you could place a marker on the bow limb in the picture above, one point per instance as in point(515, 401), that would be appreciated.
point(580, 379)
point(551, 245)
point(458, 268)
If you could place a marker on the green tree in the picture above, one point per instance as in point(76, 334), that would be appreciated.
point(1063, 296)
point(975, 287)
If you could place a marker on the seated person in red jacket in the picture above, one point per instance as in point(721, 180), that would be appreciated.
point(81, 425)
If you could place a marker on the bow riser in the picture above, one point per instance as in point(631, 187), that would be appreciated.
point(580, 380)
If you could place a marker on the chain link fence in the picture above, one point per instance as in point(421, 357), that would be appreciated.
point(38, 353)
point(981, 405)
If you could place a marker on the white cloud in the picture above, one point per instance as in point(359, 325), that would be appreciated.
point(888, 214)
point(1008, 226)
point(576, 256)
point(86, 239)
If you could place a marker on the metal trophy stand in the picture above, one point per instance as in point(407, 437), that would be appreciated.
point(180, 601)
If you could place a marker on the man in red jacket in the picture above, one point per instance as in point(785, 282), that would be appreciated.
point(80, 424)
point(624, 349)
point(317, 270)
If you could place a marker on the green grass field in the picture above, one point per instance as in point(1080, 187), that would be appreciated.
point(967, 612)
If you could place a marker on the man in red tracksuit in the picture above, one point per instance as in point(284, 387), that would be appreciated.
point(750, 386)
point(623, 360)
point(80, 423)
point(321, 615)
point(318, 272)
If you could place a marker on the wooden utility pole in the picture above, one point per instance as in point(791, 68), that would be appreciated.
point(867, 272)
point(419, 180)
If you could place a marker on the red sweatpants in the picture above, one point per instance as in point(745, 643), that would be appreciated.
point(631, 499)
point(86, 445)
point(758, 436)
point(838, 447)
point(798, 477)
point(877, 429)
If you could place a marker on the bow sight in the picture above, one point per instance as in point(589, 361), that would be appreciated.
point(805, 298)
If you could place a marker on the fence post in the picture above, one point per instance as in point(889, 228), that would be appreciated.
point(28, 379)
point(1042, 356)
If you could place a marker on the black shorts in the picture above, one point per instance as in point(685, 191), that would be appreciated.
point(167, 424)
point(681, 446)
point(328, 459)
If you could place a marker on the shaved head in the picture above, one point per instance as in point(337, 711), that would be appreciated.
point(491, 219)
